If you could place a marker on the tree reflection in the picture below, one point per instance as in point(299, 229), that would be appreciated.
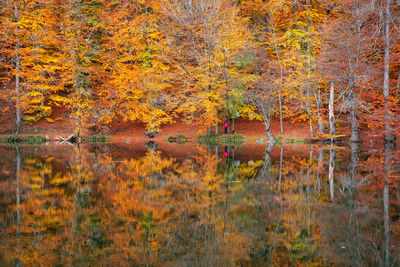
point(284, 208)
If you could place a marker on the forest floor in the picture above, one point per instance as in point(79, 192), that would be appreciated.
point(251, 130)
point(129, 138)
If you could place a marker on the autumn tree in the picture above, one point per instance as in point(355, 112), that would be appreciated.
point(134, 70)
point(287, 32)
point(81, 37)
point(43, 61)
point(205, 39)
point(34, 62)
point(11, 43)
point(348, 46)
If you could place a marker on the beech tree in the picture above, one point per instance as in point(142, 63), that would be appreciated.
point(135, 72)
point(12, 12)
point(349, 38)
point(33, 61)
point(205, 40)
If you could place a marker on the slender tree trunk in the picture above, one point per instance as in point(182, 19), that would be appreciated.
point(398, 84)
point(281, 75)
point(280, 110)
point(308, 110)
point(74, 9)
point(78, 93)
point(266, 119)
point(317, 97)
point(309, 72)
point(388, 127)
point(332, 125)
point(17, 70)
point(268, 132)
point(280, 170)
point(17, 91)
point(226, 93)
point(320, 123)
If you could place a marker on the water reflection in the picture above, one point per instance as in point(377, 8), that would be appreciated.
point(213, 206)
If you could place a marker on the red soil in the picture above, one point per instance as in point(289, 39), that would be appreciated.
point(250, 130)
point(129, 133)
point(129, 138)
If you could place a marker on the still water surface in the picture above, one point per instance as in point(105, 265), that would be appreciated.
point(117, 205)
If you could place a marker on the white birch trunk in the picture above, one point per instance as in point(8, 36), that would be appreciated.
point(386, 40)
point(332, 125)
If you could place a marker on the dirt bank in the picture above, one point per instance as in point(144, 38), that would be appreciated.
point(127, 132)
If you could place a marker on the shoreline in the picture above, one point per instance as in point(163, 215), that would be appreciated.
point(252, 132)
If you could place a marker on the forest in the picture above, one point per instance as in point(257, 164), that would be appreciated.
point(294, 104)
point(202, 61)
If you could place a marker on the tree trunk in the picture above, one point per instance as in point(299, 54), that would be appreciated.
point(308, 110)
point(388, 127)
point(17, 91)
point(17, 70)
point(398, 84)
point(74, 9)
point(267, 121)
point(309, 72)
point(332, 125)
point(318, 103)
point(281, 76)
point(320, 123)
point(280, 110)
point(268, 132)
point(317, 96)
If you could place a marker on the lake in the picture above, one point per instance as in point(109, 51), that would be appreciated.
point(190, 205)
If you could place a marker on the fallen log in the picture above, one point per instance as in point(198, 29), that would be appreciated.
point(73, 139)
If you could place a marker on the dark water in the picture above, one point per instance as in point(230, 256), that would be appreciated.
point(116, 205)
